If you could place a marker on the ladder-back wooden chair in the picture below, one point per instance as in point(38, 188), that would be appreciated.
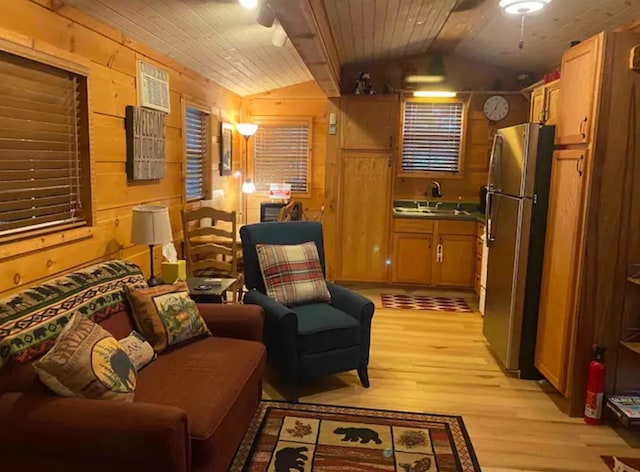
point(213, 250)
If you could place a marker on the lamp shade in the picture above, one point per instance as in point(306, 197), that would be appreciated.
point(151, 225)
point(247, 129)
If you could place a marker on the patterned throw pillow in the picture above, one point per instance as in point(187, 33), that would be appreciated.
point(292, 274)
point(87, 362)
point(165, 315)
point(138, 349)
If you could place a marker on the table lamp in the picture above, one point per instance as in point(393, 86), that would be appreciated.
point(151, 226)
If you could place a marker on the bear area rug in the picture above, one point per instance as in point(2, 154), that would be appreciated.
point(284, 437)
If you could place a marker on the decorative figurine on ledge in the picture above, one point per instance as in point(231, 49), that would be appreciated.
point(364, 86)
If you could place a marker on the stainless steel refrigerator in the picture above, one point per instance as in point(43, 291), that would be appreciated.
point(516, 210)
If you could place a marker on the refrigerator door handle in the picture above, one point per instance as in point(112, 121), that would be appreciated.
point(489, 227)
point(494, 164)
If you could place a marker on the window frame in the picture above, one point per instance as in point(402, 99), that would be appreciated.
point(463, 139)
point(207, 176)
point(49, 236)
point(283, 121)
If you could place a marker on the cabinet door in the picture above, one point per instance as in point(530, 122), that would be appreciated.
point(538, 97)
point(552, 102)
point(556, 313)
point(455, 267)
point(579, 78)
point(364, 216)
point(370, 122)
point(411, 261)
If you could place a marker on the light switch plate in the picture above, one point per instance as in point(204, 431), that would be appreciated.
point(217, 194)
point(634, 61)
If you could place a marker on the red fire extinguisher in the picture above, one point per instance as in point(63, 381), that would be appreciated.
point(595, 387)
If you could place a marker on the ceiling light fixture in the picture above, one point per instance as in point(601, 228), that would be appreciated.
point(279, 38)
point(434, 94)
point(523, 7)
point(265, 17)
point(250, 4)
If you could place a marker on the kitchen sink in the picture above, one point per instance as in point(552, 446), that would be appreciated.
point(431, 211)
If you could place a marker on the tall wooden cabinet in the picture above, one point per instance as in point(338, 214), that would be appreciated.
point(563, 243)
point(592, 222)
point(365, 205)
point(368, 145)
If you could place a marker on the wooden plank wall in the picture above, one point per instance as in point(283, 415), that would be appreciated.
point(476, 156)
point(304, 100)
point(112, 61)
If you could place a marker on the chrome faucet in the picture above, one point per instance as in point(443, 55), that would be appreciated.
point(436, 190)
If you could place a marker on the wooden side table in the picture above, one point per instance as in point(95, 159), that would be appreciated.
point(212, 295)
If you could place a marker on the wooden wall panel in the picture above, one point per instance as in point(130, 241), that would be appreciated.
point(299, 101)
point(112, 63)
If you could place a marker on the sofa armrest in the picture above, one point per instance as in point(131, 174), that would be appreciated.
point(39, 432)
point(233, 321)
point(351, 302)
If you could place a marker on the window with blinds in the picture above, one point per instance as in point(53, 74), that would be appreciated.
point(43, 146)
point(197, 130)
point(432, 136)
point(281, 155)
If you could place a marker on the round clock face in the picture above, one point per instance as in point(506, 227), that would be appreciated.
point(496, 108)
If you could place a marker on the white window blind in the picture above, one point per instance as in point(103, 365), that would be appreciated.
point(197, 152)
point(432, 136)
point(281, 155)
point(43, 136)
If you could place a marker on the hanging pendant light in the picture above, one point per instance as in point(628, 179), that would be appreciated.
point(523, 7)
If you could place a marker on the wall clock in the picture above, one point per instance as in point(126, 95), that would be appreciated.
point(496, 108)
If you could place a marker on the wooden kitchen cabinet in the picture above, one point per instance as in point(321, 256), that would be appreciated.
point(538, 99)
point(439, 253)
point(580, 76)
point(455, 267)
point(560, 268)
point(370, 122)
point(365, 187)
point(552, 103)
point(544, 103)
point(412, 258)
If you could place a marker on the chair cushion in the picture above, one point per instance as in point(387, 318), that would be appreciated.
point(321, 327)
point(205, 378)
point(292, 274)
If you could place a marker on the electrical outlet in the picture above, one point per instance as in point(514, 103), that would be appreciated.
point(217, 194)
point(634, 62)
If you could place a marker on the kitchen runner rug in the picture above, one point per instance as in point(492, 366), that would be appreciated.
point(424, 302)
point(622, 464)
point(286, 437)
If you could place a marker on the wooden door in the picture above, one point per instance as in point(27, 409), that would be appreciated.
point(580, 76)
point(455, 267)
point(552, 103)
point(537, 114)
point(365, 203)
point(370, 122)
point(556, 314)
point(411, 262)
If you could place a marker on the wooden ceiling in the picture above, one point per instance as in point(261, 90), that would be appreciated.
point(374, 30)
point(218, 38)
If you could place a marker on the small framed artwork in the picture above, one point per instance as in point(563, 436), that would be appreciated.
point(226, 148)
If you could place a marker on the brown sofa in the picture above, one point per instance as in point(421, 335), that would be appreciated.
point(192, 404)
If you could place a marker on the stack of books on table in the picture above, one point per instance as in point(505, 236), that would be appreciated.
point(626, 408)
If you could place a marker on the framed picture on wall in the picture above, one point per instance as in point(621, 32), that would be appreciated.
point(226, 149)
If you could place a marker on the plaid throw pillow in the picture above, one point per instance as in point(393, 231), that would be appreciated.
point(292, 274)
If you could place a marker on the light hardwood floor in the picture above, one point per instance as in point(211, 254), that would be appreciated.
point(440, 363)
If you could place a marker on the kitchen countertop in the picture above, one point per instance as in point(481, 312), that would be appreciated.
point(471, 208)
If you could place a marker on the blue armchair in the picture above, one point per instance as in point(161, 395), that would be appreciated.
point(307, 341)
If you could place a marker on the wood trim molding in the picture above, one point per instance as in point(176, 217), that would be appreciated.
point(307, 25)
